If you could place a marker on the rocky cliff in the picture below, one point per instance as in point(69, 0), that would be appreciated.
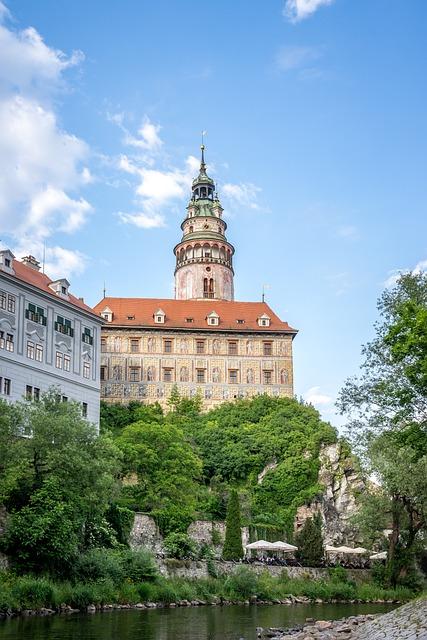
point(341, 481)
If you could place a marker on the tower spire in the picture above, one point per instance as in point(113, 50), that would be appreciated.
point(202, 162)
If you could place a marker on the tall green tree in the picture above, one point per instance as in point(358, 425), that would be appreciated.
point(310, 541)
point(387, 411)
point(57, 480)
point(233, 549)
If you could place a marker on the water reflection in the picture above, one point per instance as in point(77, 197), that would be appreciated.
point(203, 623)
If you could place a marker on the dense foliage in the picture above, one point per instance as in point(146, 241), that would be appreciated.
point(310, 541)
point(387, 409)
point(57, 480)
point(233, 549)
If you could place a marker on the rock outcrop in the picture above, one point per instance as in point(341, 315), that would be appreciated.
point(341, 481)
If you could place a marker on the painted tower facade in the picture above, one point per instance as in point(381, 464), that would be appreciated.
point(204, 257)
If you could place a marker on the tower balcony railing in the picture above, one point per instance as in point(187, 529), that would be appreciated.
point(204, 259)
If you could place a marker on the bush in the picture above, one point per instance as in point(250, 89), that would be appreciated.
point(138, 566)
point(99, 564)
point(338, 574)
point(180, 545)
point(243, 583)
point(165, 592)
point(34, 593)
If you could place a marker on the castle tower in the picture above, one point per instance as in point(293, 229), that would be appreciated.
point(204, 257)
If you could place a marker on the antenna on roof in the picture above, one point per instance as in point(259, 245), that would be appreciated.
point(264, 287)
point(104, 290)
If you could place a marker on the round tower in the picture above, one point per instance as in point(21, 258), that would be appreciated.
point(204, 257)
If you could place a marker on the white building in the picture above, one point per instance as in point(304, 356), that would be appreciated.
point(48, 337)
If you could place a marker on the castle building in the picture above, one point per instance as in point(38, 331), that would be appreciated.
point(48, 338)
point(203, 340)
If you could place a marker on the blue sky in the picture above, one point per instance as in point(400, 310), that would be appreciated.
point(316, 134)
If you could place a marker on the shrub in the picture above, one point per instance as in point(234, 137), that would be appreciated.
point(82, 595)
point(180, 545)
point(216, 537)
point(165, 592)
point(338, 574)
point(146, 591)
point(233, 549)
point(34, 593)
point(242, 583)
point(138, 566)
point(99, 564)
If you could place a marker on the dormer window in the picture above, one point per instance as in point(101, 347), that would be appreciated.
point(159, 316)
point(6, 261)
point(131, 317)
point(240, 321)
point(60, 287)
point(189, 319)
point(213, 319)
point(264, 320)
point(107, 314)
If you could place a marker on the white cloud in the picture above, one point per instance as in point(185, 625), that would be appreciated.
point(244, 194)
point(394, 274)
point(296, 10)
point(296, 57)
point(147, 137)
point(316, 398)
point(41, 165)
point(143, 220)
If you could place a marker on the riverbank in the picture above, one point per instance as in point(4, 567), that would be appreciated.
point(407, 622)
point(27, 595)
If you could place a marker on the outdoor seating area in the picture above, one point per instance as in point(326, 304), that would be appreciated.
point(283, 554)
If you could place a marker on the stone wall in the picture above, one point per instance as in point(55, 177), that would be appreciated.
point(197, 569)
point(145, 534)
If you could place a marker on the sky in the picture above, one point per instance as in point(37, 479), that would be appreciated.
point(316, 133)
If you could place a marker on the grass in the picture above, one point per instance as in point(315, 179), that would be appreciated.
point(26, 592)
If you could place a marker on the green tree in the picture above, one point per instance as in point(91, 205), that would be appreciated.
point(233, 549)
point(310, 541)
point(387, 413)
point(167, 470)
point(57, 480)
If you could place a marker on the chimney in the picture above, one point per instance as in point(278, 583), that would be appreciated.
point(31, 262)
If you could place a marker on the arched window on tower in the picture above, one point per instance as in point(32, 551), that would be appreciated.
point(205, 288)
point(211, 288)
point(191, 229)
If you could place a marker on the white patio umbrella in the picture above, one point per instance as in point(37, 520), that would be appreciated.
point(260, 545)
point(284, 546)
point(379, 556)
point(360, 550)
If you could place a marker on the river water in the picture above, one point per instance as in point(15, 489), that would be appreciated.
point(195, 623)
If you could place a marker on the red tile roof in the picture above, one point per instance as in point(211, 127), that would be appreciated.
point(136, 312)
point(41, 281)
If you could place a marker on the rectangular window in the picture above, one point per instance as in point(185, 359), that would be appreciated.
point(167, 375)
point(9, 342)
point(36, 394)
point(232, 348)
point(29, 392)
point(103, 345)
point(1, 339)
point(268, 377)
point(167, 346)
point(11, 303)
point(134, 345)
point(103, 373)
point(3, 300)
point(7, 385)
point(64, 326)
point(86, 369)
point(64, 399)
point(87, 336)
point(134, 374)
point(39, 352)
point(84, 409)
point(232, 376)
point(35, 314)
point(200, 346)
point(201, 375)
point(267, 348)
point(30, 350)
point(58, 360)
